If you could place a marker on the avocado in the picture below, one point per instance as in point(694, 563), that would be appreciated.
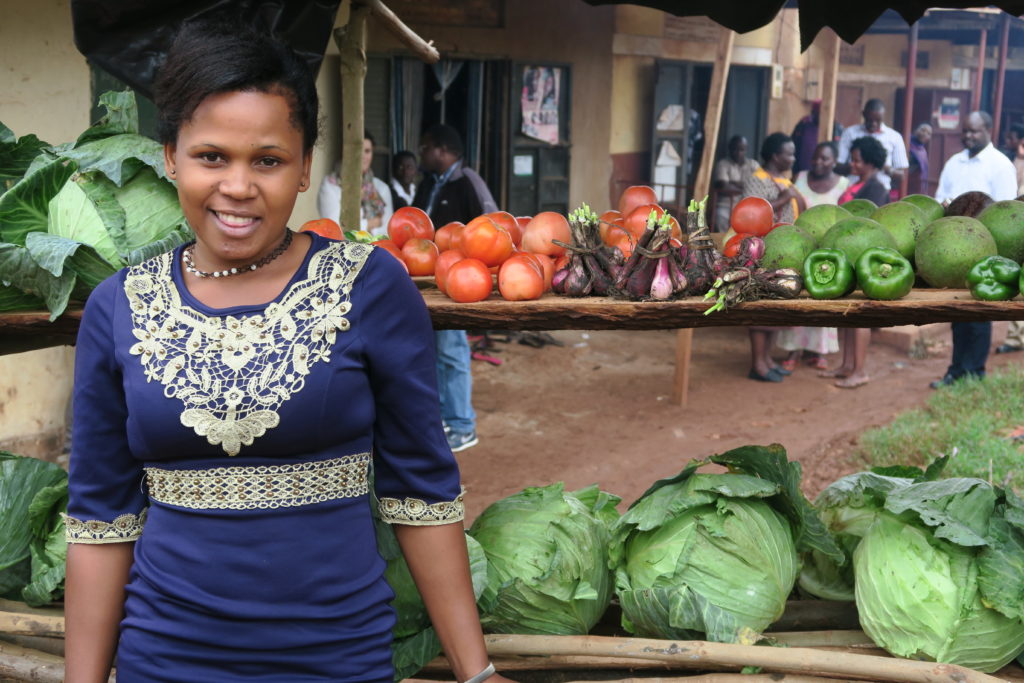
point(949, 247)
point(853, 235)
point(969, 204)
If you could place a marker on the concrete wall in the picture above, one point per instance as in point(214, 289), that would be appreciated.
point(44, 89)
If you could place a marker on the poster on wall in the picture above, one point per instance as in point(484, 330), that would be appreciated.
point(539, 101)
point(949, 113)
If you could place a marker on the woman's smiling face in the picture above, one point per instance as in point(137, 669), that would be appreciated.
point(240, 164)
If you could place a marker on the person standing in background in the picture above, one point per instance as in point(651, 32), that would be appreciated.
point(896, 161)
point(821, 184)
point(919, 159)
point(1014, 136)
point(452, 192)
point(374, 197)
point(983, 168)
point(728, 178)
point(403, 176)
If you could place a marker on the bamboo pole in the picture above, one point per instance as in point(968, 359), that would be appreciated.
point(908, 102)
point(24, 624)
point(980, 80)
point(681, 378)
point(997, 110)
point(701, 655)
point(351, 42)
point(420, 48)
point(829, 80)
point(22, 664)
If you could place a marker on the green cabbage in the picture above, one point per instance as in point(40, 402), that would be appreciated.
point(715, 555)
point(547, 560)
point(936, 566)
point(80, 211)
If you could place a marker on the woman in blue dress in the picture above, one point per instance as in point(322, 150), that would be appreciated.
point(232, 400)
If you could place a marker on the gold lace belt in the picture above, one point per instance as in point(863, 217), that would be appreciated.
point(261, 487)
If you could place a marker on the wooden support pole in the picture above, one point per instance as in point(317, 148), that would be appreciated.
point(997, 110)
point(713, 117)
point(420, 48)
point(712, 121)
point(908, 102)
point(351, 42)
point(830, 77)
point(980, 80)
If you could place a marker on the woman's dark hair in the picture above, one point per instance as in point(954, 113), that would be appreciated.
point(830, 145)
point(368, 136)
point(871, 151)
point(772, 145)
point(213, 56)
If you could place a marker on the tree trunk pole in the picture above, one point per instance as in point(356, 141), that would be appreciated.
point(351, 42)
point(827, 115)
point(997, 110)
point(980, 80)
point(908, 102)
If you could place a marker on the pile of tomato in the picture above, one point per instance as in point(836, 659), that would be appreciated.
point(465, 258)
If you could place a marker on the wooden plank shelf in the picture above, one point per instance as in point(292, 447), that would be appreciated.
point(31, 330)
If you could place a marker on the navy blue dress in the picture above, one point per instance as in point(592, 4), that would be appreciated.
point(234, 447)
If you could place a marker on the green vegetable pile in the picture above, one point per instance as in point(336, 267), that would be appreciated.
point(33, 493)
point(936, 566)
point(73, 214)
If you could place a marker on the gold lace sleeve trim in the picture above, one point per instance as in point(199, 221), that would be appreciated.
point(124, 529)
point(416, 512)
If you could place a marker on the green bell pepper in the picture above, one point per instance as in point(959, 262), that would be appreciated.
point(828, 274)
point(995, 278)
point(883, 273)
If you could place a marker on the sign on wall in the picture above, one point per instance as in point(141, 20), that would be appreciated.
point(539, 102)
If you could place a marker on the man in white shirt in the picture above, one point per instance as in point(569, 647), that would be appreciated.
point(983, 168)
point(896, 161)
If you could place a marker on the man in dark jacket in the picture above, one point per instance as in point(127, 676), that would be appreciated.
point(452, 192)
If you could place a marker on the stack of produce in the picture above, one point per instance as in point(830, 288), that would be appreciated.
point(78, 212)
point(935, 566)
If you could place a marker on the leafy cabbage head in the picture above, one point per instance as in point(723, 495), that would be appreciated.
point(547, 560)
point(721, 565)
point(918, 596)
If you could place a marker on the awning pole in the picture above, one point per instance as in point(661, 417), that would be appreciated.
point(980, 80)
point(908, 101)
point(997, 113)
point(351, 41)
point(827, 115)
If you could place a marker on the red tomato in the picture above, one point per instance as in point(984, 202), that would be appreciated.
point(510, 223)
point(677, 232)
point(546, 226)
point(324, 227)
point(443, 236)
point(607, 220)
point(389, 246)
point(561, 261)
point(485, 240)
point(444, 262)
point(409, 222)
point(624, 242)
point(469, 280)
point(636, 220)
point(521, 222)
point(753, 216)
point(419, 255)
point(520, 279)
point(547, 266)
point(732, 247)
point(635, 196)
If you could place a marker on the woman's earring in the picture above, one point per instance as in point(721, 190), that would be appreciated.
point(171, 172)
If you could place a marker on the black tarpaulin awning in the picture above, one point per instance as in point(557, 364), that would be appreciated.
point(129, 38)
point(850, 20)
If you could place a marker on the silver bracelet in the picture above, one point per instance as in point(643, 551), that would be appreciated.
point(483, 675)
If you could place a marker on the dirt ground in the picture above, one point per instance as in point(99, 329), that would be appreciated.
point(597, 410)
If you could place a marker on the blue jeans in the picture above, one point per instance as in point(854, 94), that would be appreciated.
point(971, 342)
point(455, 380)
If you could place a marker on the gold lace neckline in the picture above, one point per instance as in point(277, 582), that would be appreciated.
point(233, 368)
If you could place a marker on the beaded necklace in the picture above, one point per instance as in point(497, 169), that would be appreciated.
point(186, 259)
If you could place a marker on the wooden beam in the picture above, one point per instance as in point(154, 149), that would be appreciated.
point(908, 102)
point(351, 42)
point(997, 110)
point(980, 79)
point(420, 48)
point(701, 188)
point(829, 80)
point(713, 117)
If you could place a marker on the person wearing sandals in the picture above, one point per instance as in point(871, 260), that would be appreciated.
point(820, 184)
point(867, 158)
point(772, 183)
